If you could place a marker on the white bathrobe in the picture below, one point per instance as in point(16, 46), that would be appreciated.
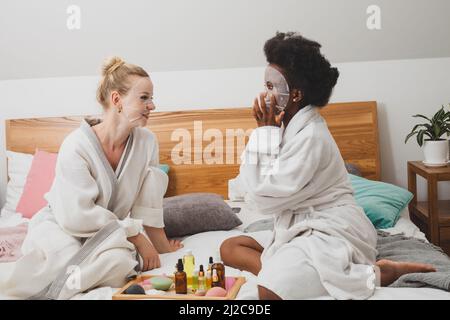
point(79, 241)
point(322, 243)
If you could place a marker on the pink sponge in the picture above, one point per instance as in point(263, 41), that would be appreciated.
point(229, 282)
point(216, 292)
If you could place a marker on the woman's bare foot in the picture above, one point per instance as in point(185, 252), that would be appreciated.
point(392, 270)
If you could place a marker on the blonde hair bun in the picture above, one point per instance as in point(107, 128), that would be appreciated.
point(115, 76)
point(111, 64)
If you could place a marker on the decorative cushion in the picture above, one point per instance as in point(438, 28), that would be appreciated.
point(165, 168)
point(353, 169)
point(197, 212)
point(382, 202)
point(18, 166)
point(39, 180)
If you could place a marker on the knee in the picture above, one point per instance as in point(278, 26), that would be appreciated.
point(116, 266)
point(226, 249)
point(266, 294)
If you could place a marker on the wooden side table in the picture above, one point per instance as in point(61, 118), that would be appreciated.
point(432, 216)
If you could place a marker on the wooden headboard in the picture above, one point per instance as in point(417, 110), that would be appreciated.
point(353, 126)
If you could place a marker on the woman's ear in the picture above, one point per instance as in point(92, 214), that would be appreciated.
point(296, 95)
point(115, 98)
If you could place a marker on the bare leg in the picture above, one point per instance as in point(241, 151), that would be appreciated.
point(243, 253)
point(266, 294)
point(392, 270)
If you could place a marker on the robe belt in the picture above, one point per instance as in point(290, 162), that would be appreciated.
point(53, 290)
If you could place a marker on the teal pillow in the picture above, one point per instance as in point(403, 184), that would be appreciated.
point(382, 202)
point(165, 168)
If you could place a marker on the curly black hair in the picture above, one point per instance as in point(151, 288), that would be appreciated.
point(304, 66)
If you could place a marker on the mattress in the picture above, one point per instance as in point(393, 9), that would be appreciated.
point(206, 244)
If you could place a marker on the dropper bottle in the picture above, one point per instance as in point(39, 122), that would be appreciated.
point(180, 279)
point(209, 274)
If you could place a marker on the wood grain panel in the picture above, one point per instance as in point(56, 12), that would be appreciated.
point(353, 125)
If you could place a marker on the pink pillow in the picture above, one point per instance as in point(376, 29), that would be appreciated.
point(39, 180)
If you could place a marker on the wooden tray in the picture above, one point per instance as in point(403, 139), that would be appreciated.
point(171, 295)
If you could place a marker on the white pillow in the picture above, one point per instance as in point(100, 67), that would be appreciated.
point(19, 165)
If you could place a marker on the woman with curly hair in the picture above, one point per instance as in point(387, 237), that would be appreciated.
point(322, 244)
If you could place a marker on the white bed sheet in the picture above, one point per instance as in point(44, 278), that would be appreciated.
point(207, 244)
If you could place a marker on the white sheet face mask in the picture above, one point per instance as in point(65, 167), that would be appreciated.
point(136, 113)
point(275, 84)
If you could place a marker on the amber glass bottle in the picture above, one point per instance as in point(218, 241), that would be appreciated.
point(180, 279)
point(209, 274)
point(218, 272)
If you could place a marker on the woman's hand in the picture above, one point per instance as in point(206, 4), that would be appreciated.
point(266, 117)
point(148, 253)
point(175, 244)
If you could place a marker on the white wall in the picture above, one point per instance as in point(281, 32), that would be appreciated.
point(173, 35)
point(401, 87)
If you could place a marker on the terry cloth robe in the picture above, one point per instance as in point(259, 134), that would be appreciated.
point(297, 175)
point(79, 241)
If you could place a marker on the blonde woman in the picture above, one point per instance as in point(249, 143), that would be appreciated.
point(105, 204)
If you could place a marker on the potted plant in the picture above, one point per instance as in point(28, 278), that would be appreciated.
point(429, 135)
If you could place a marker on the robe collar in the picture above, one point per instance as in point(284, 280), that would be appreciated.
point(86, 128)
point(299, 121)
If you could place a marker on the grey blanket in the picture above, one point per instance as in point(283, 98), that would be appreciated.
point(401, 248)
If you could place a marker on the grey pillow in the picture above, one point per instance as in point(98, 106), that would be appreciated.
point(353, 169)
point(197, 212)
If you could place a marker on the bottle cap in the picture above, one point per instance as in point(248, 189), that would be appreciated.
point(201, 268)
point(211, 260)
point(188, 252)
point(180, 266)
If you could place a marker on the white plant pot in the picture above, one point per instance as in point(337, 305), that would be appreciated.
point(436, 152)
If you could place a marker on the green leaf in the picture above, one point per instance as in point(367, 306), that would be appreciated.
point(428, 135)
point(410, 135)
point(428, 127)
point(436, 131)
point(447, 116)
point(418, 126)
point(421, 116)
point(420, 137)
point(438, 115)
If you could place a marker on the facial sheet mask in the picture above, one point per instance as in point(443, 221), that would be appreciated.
point(136, 113)
point(279, 89)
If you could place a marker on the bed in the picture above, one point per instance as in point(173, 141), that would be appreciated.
point(353, 125)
